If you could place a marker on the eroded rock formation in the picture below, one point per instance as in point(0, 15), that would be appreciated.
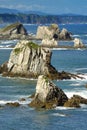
point(28, 59)
point(13, 31)
point(47, 95)
point(52, 31)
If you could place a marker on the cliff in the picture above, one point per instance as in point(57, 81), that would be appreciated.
point(42, 19)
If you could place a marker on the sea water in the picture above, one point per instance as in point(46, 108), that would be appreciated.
point(60, 118)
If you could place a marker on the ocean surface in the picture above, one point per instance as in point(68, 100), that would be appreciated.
point(13, 89)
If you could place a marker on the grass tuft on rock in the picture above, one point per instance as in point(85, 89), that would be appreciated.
point(10, 27)
point(33, 45)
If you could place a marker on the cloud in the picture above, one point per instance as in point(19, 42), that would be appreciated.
point(24, 7)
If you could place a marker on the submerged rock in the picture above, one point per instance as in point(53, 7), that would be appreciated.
point(75, 101)
point(13, 104)
point(47, 95)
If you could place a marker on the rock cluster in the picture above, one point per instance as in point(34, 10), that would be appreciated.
point(48, 96)
point(52, 31)
point(75, 101)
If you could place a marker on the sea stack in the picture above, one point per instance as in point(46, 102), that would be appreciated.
point(47, 95)
point(13, 31)
point(28, 59)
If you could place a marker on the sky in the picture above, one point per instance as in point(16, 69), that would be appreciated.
point(48, 6)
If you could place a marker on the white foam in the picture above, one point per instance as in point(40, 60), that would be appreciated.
point(59, 114)
point(4, 102)
point(76, 35)
point(63, 108)
point(82, 93)
point(75, 84)
point(80, 69)
point(60, 49)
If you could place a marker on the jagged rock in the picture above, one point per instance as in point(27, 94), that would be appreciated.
point(47, 32)
point(52, 31)
point(28, 59)
point(78, 43)
point(47, 95)
point(49, 43)
point(64, 35)
point(13, 31)
point(75, 101)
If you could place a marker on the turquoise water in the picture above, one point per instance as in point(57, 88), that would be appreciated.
point(60, 118)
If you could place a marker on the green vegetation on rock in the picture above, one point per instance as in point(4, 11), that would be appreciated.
point(17, 50)
point(53, 26)
point(7, 28)
point(33, 45)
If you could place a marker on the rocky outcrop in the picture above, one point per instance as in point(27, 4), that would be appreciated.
point(75, 101)
point(13, 31)
point(64, 35)
point(49, 43)
point(52, 31)
point(28, 59)
point(78, 43)
point(47, 95)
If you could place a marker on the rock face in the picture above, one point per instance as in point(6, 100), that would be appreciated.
point(52, 31)
point(15, 30)
point(29, 59)
point(47, 95)
point(49, 43)
point(78, 43)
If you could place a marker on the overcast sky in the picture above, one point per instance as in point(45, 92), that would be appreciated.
point(48, 6)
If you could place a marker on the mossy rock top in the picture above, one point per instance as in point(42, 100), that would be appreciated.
point(9, 27)
point(30, 44)
point(33, 45)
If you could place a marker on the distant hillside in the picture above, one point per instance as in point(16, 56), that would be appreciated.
point(8, 11)
point(41, 19)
